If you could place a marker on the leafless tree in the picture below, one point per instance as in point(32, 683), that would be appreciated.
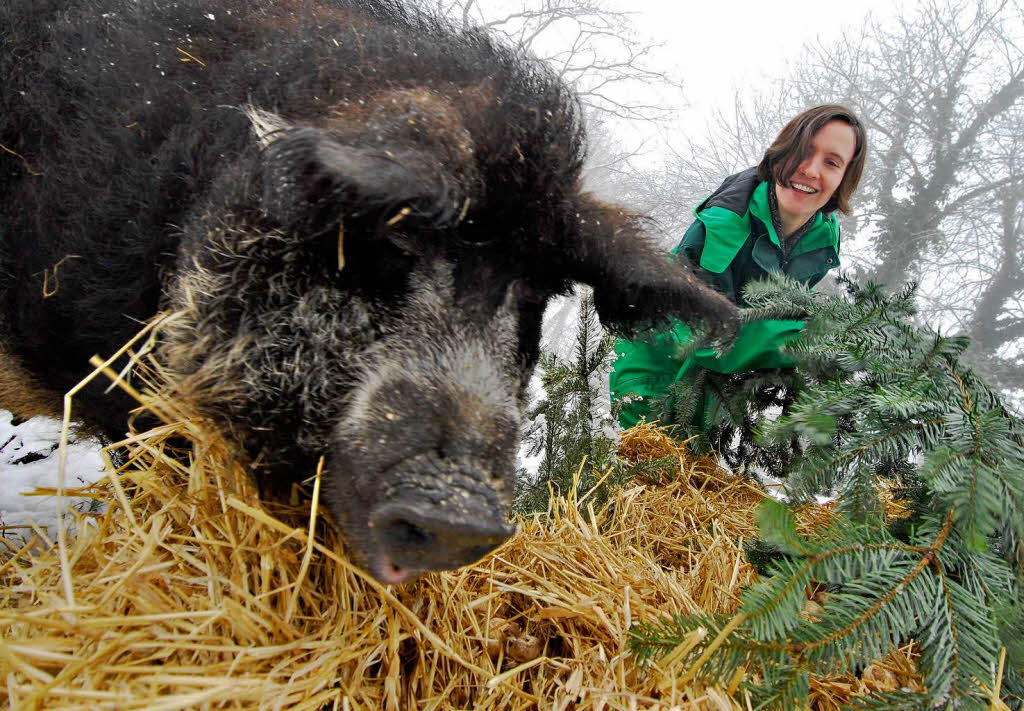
point(695, 164)
point(942, 92)
point(591, 43)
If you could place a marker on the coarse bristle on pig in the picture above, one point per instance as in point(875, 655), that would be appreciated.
point(192, 591)
point(358, 211)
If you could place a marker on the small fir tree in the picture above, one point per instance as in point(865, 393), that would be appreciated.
point(567, 428)
point(874, 400)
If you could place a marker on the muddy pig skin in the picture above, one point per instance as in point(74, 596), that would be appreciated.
point(356, 214)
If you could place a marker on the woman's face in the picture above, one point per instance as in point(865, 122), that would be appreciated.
point(817, 177)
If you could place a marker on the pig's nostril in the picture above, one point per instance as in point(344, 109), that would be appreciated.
point(408, 535)
point(478, 552)
point(428, 537)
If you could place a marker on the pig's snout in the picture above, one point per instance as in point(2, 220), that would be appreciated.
point(423, 469)
point(414, 537)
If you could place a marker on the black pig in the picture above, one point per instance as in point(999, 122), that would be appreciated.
point(357, 215)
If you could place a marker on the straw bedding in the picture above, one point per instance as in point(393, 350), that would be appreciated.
point(191, 592)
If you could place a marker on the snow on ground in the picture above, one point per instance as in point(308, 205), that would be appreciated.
point(29, 460)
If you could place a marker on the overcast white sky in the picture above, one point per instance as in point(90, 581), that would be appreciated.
point(721, 44)
point(718, 46)
point(741, 40)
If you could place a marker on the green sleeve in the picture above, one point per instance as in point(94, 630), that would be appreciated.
point(757, 344)
point(645, 367)
point(757, 347)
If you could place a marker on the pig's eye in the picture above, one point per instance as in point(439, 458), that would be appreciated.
point(405, 242)
point(470, 234)
point(475, 241)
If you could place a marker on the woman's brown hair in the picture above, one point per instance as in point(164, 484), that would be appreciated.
point(793, 145)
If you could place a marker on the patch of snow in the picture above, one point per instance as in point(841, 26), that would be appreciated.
point(29, 458)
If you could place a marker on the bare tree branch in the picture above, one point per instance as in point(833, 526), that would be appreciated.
point(603, 54)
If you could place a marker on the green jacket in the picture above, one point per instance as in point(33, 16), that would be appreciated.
point(732, 242)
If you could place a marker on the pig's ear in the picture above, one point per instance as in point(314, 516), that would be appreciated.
point(637, 284)
point(309, 178)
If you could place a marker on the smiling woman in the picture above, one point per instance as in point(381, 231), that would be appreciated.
point(775, 218)
point(815, 163)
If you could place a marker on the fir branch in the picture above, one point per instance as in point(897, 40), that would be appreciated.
point(811, 478)
point(711, 648)
point(795, 577)
point(872, 390)
point(786, 689)
point(566, 426)
point(893, 701)
point(930, 555)
point(942, 675)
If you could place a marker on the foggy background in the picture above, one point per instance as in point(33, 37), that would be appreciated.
point(680, 95)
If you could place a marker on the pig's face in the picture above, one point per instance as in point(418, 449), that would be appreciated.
point(380, 299)
point(421, 466)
